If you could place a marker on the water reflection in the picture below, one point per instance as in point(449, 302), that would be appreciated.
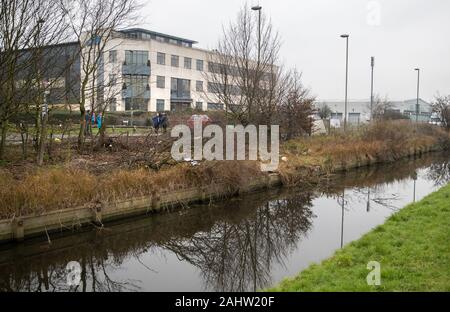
point(243, 244)
point(239, 255)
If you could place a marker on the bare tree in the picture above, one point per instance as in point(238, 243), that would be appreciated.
point(26, 27)
point(381, 108)
point(325, 112)
point(94, 24)
point(296, 108)
point(242, 71)
point(441, 107)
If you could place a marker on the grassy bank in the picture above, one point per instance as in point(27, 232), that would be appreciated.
point(105, 176)
point(412, 248)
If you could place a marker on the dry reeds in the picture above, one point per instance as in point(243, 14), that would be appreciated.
point(59, 188)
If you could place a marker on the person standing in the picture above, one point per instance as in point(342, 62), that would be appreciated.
point(99, 121)
point(93, 119)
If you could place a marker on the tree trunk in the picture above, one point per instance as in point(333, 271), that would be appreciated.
point(83, 126)
point(42, 141)
point(2, 140)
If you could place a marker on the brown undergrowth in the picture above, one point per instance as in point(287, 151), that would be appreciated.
point(61, 187)
point(305, 160)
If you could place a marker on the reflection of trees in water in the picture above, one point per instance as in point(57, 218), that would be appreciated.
point(234, 246)
point(440, 173)
point(239, 256)
point(378, 195)
point(39, 275)
point(372, 185)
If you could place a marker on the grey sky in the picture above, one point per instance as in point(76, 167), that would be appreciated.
point(411, 33)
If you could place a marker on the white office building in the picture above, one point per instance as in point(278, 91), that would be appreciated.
point(150, 71)
point(358, 111)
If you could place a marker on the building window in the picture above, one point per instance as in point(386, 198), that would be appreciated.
point(187, 63)
point(112, 79)
point(200, 65)
point(175, 61)
point(215, 106)
point(137, 85)
point(160, 105)
point(112, 105)
point(136, 104)
point(199, 106)
point(161, 58)
point(199, 86)
point(113, 56)
point(180, 88)
point(161, 82)
point(136, 57)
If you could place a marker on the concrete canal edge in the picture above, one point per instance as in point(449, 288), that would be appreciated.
point(71, 219)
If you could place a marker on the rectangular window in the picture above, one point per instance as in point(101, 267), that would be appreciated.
point(112, 79)
point(161, 82)
point(199, 86)
point(199, 106)
point(160, 105)
point(136, 104)
point(187, 63)
point(136, 57)
point(113, 56)
point(175, 61)
point(180, 88)
point(112, 105)
point(161, 58)
point(138, 85)
point(200, 65)
point(215, 106)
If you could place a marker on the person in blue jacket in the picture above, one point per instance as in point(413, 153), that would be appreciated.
point(99, 121)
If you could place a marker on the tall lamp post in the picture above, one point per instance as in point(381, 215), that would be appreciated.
point(258, 9)
point(346, 83)
point(371, 88)
point(418, 94)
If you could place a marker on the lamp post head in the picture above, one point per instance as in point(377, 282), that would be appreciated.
point(41, 21)
point(257, 8)
point(417, 69)
point(345, 36)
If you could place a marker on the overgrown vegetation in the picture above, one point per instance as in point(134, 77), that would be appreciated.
point(379, 142)
point(61, 187)
point(412, 248)
point(140, 166)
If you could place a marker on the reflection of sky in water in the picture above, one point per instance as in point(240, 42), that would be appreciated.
point(301, 230)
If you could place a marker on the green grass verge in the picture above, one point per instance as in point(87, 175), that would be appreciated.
point(413, 248)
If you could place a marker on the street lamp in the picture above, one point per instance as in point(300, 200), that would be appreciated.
point(258, 8)
point(345, 36)
point(418, 94)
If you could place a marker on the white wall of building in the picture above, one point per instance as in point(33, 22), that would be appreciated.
point(153, 47)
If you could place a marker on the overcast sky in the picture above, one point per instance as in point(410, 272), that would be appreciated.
point(406, 34)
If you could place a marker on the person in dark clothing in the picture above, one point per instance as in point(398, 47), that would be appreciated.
point(156, 122)
point(164, 122)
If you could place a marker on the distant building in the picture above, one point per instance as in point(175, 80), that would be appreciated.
point(58, 66)
point(359, 110)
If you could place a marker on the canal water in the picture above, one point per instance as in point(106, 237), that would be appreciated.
point(244, 244)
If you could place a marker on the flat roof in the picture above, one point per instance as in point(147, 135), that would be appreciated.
point(154, 33)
